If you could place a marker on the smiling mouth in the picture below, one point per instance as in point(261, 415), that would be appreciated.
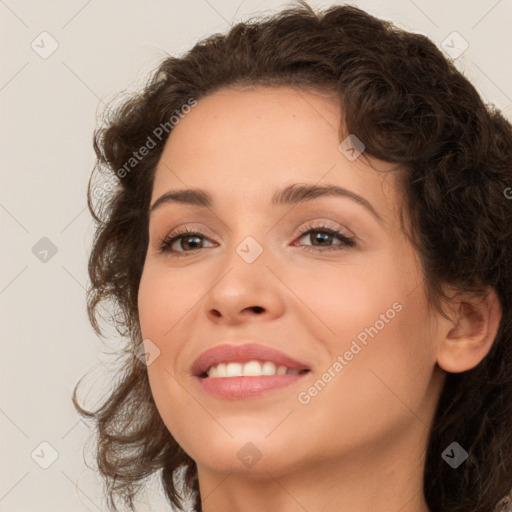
point(251, 368)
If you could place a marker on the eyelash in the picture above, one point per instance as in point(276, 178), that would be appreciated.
point(347, 241)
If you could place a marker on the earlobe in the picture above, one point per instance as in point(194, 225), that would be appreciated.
point(469, 336)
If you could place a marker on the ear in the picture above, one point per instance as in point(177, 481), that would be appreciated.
point(468, 337)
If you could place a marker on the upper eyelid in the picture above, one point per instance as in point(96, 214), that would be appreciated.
point(320, 216)
point(306, 225)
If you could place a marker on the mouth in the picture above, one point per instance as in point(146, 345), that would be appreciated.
point(243, 371)
point(252, 368)
point(249, 360)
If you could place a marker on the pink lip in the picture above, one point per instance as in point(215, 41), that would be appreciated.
point(241, 354)
point(235, 388)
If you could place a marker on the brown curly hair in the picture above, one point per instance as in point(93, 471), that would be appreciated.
point(410, 106)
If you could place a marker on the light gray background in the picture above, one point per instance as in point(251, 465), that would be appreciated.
point(48, 114)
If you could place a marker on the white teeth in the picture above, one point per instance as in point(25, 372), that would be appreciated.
point(268, 368)
point(234, 370)
point(249, 369)
point(252, 368)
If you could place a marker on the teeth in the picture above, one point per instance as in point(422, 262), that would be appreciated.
point(268, 368)
point(249, 369)
point(252, 368)
point(233, 370)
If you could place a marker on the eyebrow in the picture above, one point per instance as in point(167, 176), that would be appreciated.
point(291, 195)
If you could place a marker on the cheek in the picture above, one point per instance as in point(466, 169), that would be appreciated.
point(391, 365)
point(380, 392)
point(163, 301)
point(380, 326)
point(350, 301)
point(160, 312)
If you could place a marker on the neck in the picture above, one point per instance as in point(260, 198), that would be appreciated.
point(385, 477)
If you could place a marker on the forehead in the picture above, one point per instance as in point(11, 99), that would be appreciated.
point(243, 144)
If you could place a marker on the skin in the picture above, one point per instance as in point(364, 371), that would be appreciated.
point(359, 444)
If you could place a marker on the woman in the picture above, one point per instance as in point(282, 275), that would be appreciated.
point(309, 247)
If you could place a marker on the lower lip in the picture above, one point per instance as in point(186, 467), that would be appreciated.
point(237, 388)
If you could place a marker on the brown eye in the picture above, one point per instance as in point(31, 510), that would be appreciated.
point(182, 242)
point(321, 236)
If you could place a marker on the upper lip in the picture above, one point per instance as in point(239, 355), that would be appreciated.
point(227, 353)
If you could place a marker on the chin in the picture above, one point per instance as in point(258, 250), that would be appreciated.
point(250, 449)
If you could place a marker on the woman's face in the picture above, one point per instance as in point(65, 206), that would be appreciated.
point(349, 308)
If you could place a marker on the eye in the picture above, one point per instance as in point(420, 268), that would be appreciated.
point(186, 238)
point(323, 235)
point(185, 241)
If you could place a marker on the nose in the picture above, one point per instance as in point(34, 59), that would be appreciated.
point(245, 292)
point(248, 311)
